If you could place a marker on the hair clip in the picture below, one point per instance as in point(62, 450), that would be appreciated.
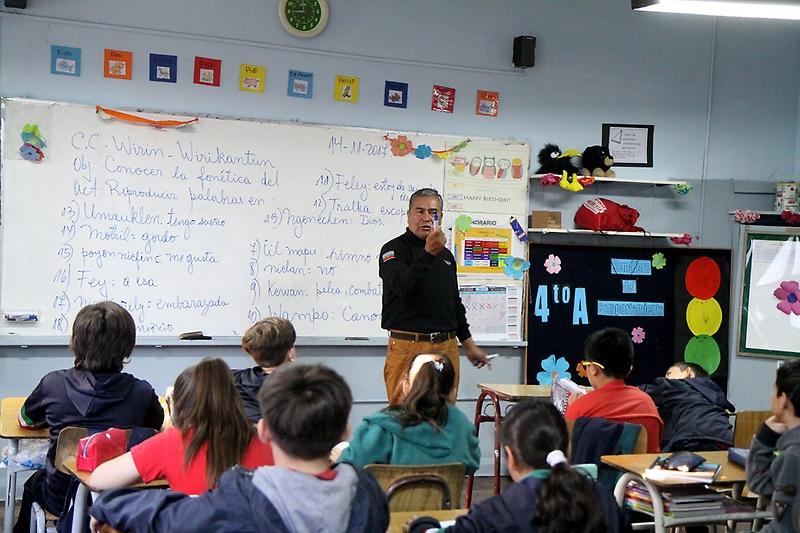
point(438, 364)
point(556, 457)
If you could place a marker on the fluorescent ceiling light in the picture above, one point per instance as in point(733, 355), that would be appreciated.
point(723, 8)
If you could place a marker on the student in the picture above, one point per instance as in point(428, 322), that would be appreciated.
point(270, 342)
point(210, 434)
point(773, 465)
point(94, 394)
point(608, 360)
point(694, 409)
point(547, 494)
point(425, 428)
point(304, 412)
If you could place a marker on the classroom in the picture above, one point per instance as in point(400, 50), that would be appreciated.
point(721, 92)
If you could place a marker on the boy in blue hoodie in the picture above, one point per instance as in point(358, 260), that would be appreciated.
point(270, 342)
point(94, 394)
point(304, 412)
point(694, 409)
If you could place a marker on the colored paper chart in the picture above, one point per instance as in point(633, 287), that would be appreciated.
point(482, 243)
point(703, 314)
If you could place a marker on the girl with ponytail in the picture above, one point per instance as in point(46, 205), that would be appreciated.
point(548, 495)
point(423, 429)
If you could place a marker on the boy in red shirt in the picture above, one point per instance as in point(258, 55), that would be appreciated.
point(608, 359)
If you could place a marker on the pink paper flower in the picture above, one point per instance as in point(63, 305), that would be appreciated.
point(552, 264)
point(637, 335)
point(789, 295)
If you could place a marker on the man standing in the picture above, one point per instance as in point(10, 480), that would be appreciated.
point(422, 308)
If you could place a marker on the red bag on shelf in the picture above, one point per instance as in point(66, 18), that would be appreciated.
point(602, 214)
point(96, 449)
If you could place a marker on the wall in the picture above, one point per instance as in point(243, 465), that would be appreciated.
point(596, 62)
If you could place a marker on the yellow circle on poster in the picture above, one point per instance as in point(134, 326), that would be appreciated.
point(704, 316)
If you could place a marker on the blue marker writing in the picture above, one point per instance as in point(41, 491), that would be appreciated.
point(522, 235)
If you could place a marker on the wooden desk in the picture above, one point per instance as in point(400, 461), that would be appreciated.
point(633, 466)
point(495, 393)
point(398, 519)
point(79, 510)
point(11, 430)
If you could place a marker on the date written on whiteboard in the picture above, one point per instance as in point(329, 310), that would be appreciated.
point(547, 295)
point(340, 145)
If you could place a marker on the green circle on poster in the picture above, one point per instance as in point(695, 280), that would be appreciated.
point(704, 351)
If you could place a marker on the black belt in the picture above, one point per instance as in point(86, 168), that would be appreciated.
point(433, 338)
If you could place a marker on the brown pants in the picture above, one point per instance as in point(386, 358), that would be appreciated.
point(399, 356)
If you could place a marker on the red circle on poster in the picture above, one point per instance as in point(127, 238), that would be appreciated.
point(703, 278)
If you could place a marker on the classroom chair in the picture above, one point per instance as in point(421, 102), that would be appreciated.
point(630, 439)
point(746, 426)
point(415, 487)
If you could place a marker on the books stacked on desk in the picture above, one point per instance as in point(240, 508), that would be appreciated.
point(685, 502)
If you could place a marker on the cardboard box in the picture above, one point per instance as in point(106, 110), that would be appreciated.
point(546, 219)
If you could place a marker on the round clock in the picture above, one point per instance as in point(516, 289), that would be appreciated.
point(303, 18)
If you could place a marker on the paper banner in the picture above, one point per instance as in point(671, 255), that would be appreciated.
point(65, 60)
point(252, 78)
point(345, 89)
point(395, 94)
point(207, 71)
point(443, 99)
point(117, 64)
point(134, 119)
point(163, 68)
point(487, 103)
point(301, 84)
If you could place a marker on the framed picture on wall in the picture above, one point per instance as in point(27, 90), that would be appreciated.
point(631, 145)
point(769, 323)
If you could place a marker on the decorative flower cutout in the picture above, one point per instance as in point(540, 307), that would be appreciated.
point(554, 369)
point(515, 267)
point(745, 217)
point(659, 261)
point(31, 152)
point(401, 146)
point(463, 222)
point(682, 189)
point(684, 239)
point(552, 264)
point(33, 136)
point(423, 151)
point(789, 295)
point(580, 369)
point(637, 335)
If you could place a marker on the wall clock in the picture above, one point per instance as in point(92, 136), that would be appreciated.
point(303, 18)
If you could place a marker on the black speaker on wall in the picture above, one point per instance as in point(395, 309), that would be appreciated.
point(524, 51)
point(19, 4)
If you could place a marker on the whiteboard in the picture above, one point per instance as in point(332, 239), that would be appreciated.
point(770, 322)
point(206, 227)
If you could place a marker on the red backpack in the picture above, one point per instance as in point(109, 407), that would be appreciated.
point(602, 214)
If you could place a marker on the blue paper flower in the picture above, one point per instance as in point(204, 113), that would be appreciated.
point(554, 369)
point(423, 151)
point(515, 267)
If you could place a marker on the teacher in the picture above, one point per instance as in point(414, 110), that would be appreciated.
point(422, 308)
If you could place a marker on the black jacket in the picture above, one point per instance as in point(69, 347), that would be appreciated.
point(248, 383)
point(420, 291)
point(268, 499)
point(514, 511)
point(694, 414)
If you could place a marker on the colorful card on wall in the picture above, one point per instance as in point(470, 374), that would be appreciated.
point(301, 84)
point(163, 68)
point(443, 99)
point(207, 71)
point(252, 78)
point(65, 60)
point(117, 64)
point(487, 103)
point(483, 243)
point(395, 94)
point(345, 89)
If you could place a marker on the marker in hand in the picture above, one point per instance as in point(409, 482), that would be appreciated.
point(435, 219)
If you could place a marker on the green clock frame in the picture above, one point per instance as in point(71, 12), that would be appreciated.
point(303, 18)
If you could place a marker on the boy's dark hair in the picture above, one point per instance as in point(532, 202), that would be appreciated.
point(268, 341)
point(103, 337)
point(428, 398)
point(612, 348)
point(787, 381)
point(305, 408)
point(566, 500)
point(697, 370)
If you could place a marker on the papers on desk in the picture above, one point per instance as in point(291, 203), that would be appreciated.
point(704, 473)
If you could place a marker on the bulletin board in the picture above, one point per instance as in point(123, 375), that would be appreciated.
point(674, 302)
point(769, 324)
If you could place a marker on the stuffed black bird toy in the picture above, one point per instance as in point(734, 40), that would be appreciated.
point(553, 161)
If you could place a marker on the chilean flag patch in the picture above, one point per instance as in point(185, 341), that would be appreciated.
point(388, 256)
